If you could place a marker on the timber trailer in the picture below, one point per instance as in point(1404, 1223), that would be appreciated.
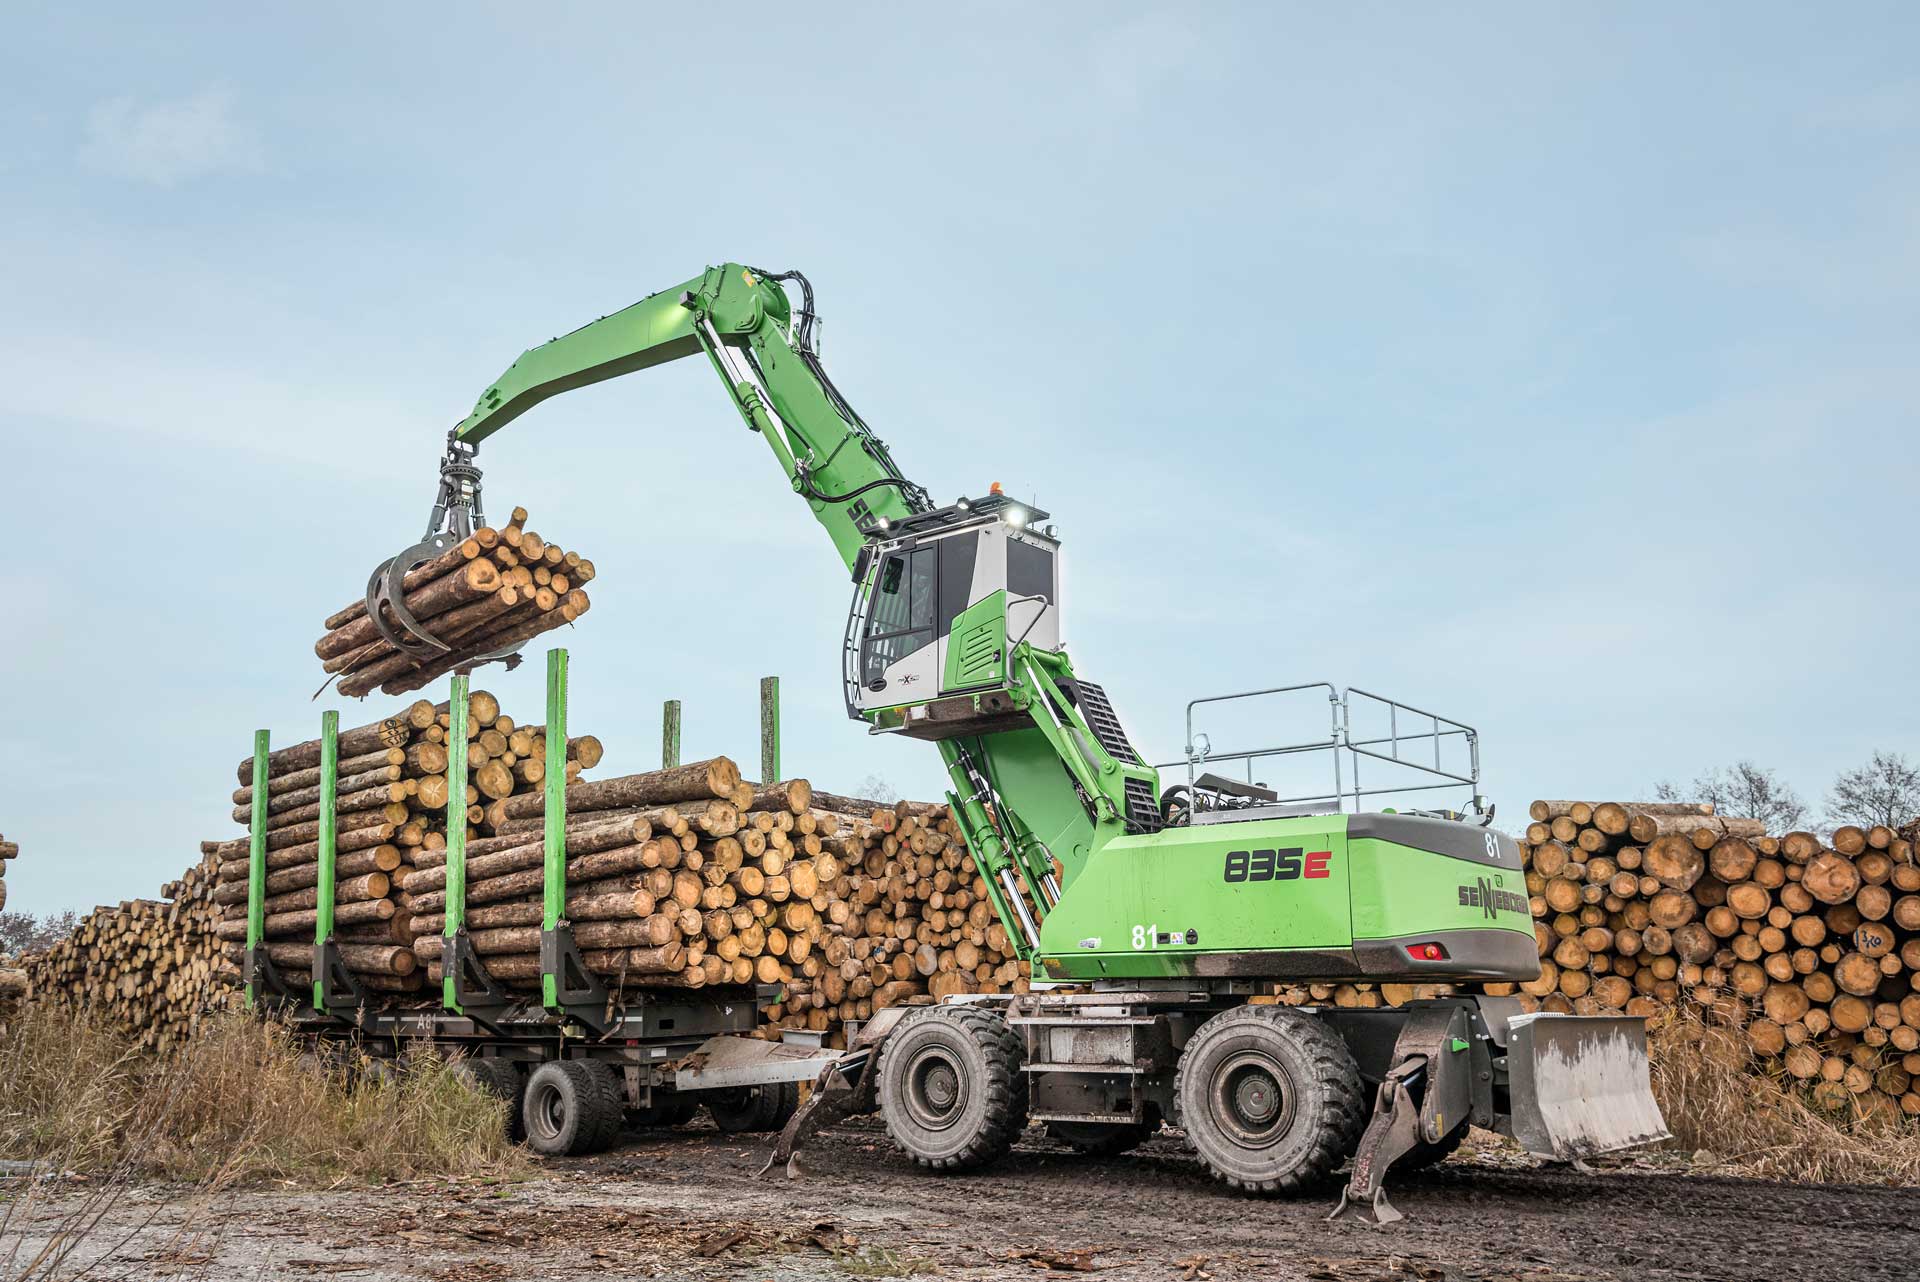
point(1149, 915)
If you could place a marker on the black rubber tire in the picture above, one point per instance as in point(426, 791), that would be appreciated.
point(952, 1093)
point(1423, 1155)
point(609, 1108)
point(562, 1108)
point(669, 1108)
point(499, 1078)
point(1100, 1139)
point(1270, 1099)
point(753, 1109)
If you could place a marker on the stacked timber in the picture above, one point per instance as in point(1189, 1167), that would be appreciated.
point(1811, 947)
point(486, 596)
point(392, 809)
point(149, 968)
point(689, 878)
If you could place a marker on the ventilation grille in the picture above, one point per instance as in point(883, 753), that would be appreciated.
point(979, 653)
point(1099, 713)
point(1142, 814)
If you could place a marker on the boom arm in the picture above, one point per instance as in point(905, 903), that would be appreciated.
point(743, 320)
point(1027, 794)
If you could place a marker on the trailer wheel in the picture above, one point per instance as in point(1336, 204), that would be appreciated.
point(562, 1108)
point(1270, 1099)
point(952, 1093)
point(499, 1078)
point(752, 1109)
point(609, 1109)
point(1100, 1139)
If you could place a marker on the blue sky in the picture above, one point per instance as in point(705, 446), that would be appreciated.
point(1549, 366)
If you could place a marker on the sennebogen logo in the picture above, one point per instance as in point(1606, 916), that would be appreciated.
point(1491, 899)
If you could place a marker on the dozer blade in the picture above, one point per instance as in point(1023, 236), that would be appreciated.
point(1579, 1085)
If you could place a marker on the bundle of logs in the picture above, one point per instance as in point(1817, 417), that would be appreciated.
point(391, 813)
point(149, 968)
point(1811, 947)
point(688, 877)
point(486, 596)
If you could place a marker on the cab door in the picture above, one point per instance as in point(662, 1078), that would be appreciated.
point(899, 656)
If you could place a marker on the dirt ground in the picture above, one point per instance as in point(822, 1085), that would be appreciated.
point(673, 1205)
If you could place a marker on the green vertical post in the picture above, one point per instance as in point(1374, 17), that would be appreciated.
point(257, 854)
point(555, 883)
point(769, 729)
point(456, 910)
point(323, 887)
point(670, 734)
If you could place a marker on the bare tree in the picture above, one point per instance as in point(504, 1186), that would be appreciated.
point(1884, 791)
point(876, 788)
point(25, 933)
point(1745, 789)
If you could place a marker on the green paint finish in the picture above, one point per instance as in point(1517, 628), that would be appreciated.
point(769, 729)
point(457, 712)
point(977, 645)
point(1400, 891)
point(670, 734)
point(825, 456)
point(323, 886)
point(554, 881)
point(1136, 889)
point(257, 852)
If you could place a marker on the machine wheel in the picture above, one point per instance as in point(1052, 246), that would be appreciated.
point(1100, 1139)
point(951, 1090)
point(749, 1109)
point(1270, 1098)
point(669, 1108)
point(499, 1078)
point(564, 1108)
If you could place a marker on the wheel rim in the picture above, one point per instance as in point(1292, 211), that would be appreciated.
point(545, 1112)
point(1252, 1099)
point(936, 1091)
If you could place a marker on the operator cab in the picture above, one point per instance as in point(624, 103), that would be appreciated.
point(941, 599)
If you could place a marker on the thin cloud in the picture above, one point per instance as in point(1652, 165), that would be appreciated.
point(170, 142)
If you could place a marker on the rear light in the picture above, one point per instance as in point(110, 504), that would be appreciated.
point(1426, 952)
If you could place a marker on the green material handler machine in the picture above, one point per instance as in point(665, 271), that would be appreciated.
point(1149, 915)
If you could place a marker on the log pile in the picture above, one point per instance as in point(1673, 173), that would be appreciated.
point(392, 810)
point(688, 878)
point(1811, 947)
point(491, 593)
point(150, 968)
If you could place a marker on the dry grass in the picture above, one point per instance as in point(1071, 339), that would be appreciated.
point(1718, 1098)
point(239, 1105)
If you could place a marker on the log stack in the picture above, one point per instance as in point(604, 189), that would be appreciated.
point(392, 809)
point(150, 968)
point(1811, 947)
point(689, 877)
point(491, 593)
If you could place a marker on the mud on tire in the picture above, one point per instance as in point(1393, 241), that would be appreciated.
point(952, 1094)
point(1270, 1099)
